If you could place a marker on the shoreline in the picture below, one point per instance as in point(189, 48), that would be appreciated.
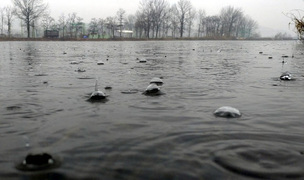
point(143, 39)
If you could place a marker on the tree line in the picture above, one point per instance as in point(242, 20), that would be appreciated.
point(153, 19)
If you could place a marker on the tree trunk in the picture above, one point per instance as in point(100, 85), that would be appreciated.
point(120, 29)
point(182, 25)
point(182, 29)
point(28, 27)
point(113, 32)
point(9, 29)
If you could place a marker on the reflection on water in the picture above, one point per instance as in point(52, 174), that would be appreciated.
point(172, 136)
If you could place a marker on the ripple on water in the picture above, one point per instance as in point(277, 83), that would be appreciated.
point(28, 110)
point(86, 77)
point(194, 155)
point(267, 156)
point(261, 160)
point(130, 91)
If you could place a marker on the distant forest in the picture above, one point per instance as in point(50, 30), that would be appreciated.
point(153, 19)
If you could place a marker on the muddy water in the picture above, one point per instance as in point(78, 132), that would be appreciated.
point(44, 108)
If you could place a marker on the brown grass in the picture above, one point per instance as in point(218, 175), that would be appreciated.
point(297, 21)
point(299, 24)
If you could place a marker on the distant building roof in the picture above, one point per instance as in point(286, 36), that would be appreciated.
point(51, 33)
point(126, 31)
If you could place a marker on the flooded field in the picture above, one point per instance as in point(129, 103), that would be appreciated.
point(45, 87)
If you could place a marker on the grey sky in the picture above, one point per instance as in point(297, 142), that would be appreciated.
point(268, 13)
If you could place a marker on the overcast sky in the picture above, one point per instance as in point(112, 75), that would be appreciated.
point(268, 13)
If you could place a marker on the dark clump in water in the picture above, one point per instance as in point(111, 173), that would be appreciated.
point(108, 88)
point(142, 61)
point(286, 76)
point(80, 70)
point(13, 108)
point(41, 74)
point(36, 162)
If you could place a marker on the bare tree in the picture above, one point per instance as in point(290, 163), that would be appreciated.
point(9, 16)
point(120, 17)
point(62, 24)
point(2, 17)
point(29, 11)
point(237, 30)
point(246, 27)
point(251, 27)
point(229, 17)
point(71, 24)
point(130, 22)
point(160, 13)
point(111, 25)
point(166, 22)
point(93, 27)
point(79, 26)
point(101, 27)
point(183, 8)
point(190, 19)
point(34, 28)
point(201, 17)
point(174, 21)
point(145, 16)
point(155, 17)
point(282, 36)
point(47, 22)
point(140, 24)
point(212, 26)
point(150, 17)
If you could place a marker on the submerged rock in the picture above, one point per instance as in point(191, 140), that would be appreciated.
point(74, 62)
point(152, 89)
point(227, 112)
point(36, 162)
point(100, 63)
point(157, 81)
point(41, 74)
point(13, 108)
point(97, 94)
point(80, 70)
point(108, 88)
point(286, 76)
point(142, 61)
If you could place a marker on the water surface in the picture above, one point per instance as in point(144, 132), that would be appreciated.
point(44, 108)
